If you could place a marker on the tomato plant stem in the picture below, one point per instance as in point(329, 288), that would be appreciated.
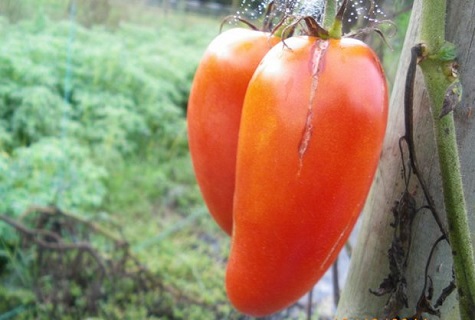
point(433, 36)
point(330, 13)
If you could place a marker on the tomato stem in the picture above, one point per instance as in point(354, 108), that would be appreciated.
point(333, 20)
point(329, 14)
point(437, 83)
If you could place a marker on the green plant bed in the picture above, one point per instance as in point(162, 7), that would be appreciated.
point(92, 120)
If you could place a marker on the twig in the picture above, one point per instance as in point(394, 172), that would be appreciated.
point(336, 284)
point(423, 304)
point(55, 242)
point(310, 304)
point(47, 240)
point(54, 211)
point(429, 259)
point(416, 54)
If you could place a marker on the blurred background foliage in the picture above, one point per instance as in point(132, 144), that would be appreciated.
point(93, 98)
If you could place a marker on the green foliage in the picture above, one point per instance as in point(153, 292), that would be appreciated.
point(92, 120)
point(47, 169)
point(121, 95)
point(48, 172)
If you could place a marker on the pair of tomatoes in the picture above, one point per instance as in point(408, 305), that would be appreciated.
point(285, 138)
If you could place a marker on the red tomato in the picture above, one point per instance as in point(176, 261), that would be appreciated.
point(311, 134)
point(214, 112)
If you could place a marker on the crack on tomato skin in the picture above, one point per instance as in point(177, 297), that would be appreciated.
point(318, 51)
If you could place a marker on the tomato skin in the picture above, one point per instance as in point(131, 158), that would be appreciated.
point(214, 112)
point(305, 165)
